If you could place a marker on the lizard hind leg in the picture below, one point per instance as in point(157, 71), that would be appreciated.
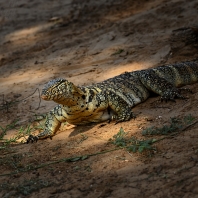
point(174, 93)
point(160, 85)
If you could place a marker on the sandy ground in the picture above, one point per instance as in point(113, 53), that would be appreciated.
point(86, 43)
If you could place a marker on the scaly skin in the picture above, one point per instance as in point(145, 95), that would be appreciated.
point(114, 98)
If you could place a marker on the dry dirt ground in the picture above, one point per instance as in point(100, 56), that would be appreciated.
point(86, 42)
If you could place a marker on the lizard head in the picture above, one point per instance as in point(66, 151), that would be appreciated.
point(59, 90)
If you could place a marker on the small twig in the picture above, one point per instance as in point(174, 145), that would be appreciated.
point(129, 153)
point(189, 125)
point(71, 159)
point(6, 104)
point(176, 133)
point(31, 95)
point(161, 107)
point(185, 168)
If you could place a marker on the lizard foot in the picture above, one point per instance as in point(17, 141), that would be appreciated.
point(172, 94)
point(45, 134)
point(32, 139)
point(124, 117)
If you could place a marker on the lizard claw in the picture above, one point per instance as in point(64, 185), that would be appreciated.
point(186, 90)
point(32, 139)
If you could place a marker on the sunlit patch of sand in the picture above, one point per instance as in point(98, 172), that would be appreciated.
point(24, 33)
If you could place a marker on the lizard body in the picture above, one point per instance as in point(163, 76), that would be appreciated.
point(113, 98)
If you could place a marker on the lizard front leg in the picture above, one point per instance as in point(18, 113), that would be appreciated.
point(53, 122)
